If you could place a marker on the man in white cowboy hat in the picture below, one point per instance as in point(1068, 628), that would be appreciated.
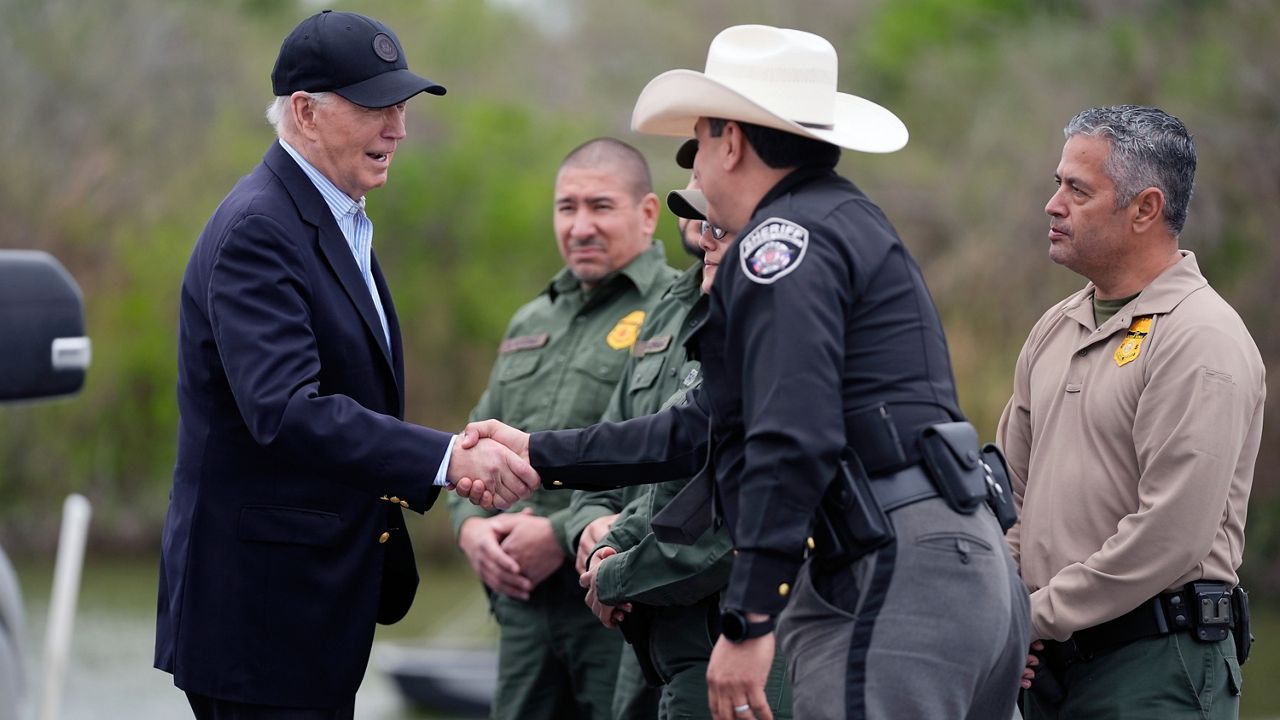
point(824, 358)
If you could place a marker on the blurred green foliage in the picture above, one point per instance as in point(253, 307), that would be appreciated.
point(124, 124)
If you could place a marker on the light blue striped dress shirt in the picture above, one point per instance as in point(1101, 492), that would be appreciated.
point(357, 228)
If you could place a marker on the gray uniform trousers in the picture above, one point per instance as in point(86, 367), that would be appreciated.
point(933, 626)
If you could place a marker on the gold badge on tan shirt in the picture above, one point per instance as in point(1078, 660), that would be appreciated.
point(624, 334)
point(1131, 347)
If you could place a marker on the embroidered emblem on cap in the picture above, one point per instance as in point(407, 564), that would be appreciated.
point(624, 334)
point(1131, 346)
point(772, 250)
point(385, 47)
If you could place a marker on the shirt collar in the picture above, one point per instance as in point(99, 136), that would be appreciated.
point(1160, 296)
point(340, 203)
point(800, 176)
point(688, 284)
point(642, 272)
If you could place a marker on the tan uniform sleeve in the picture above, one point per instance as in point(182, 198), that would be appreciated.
point(1192, 421)
point(1013, 435)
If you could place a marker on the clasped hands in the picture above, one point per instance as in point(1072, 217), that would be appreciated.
point(490, 465)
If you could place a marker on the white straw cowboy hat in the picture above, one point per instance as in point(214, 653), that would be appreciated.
point(775, 77)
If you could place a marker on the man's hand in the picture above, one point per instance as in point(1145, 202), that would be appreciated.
point(736, 677)
point(609, 615)
point(533, 545)
point(590, 537)
point(489, 474)
point(480, 540)
point(1033, 663)
point(516, 440)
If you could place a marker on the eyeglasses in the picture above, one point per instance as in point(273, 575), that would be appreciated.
point(716, 232)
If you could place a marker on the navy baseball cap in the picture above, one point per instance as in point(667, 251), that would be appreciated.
point(352, 55)
point(684, 156)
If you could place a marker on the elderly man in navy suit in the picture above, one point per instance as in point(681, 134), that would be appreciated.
point(284, 541)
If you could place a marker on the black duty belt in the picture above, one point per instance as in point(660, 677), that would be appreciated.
point(1202, 607)
point(900, 489)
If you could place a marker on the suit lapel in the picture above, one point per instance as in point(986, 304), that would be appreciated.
point(333, 245)
point(393, 330)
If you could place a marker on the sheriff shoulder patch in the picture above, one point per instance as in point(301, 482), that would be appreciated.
point(1131, 346)
point(624, 334)
point(773, 250)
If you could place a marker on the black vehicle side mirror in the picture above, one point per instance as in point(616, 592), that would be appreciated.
point(43, 348)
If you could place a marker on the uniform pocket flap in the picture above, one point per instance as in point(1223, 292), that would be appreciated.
point(605, 367)
point(645, 373)
point(296, 526)
point(1234, 676)
point(518, 365)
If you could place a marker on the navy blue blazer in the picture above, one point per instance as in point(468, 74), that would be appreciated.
point(278, 554)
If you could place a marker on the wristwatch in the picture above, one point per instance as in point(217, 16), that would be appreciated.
point(735, 626)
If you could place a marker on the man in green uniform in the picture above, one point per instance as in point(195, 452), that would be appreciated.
point(556, 368)
point(667, 595)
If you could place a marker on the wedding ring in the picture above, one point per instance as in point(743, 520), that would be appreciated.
point(742, 709)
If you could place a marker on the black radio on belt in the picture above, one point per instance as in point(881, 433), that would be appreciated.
point(1213, 611)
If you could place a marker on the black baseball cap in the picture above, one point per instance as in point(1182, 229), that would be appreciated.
point(684, 156)
point(352, 55)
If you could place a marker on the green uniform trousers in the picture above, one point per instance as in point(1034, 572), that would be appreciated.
point(681, 642)
point(633, 699)
point(555, 659)
point(1172, 677)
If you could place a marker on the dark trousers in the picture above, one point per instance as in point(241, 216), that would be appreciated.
point(1171, 677)
point(207, 708)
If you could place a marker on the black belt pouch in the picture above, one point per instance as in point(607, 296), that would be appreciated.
point(1242, 630)
point(1000, 489)
point(850, 522)
point(951, 455)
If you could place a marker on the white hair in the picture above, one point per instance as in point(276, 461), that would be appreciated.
point(278, 110)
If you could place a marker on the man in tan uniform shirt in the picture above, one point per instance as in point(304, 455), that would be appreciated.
point(1131, 436)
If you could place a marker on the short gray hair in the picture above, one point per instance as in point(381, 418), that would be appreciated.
point(279, 108)
point(1149, 148)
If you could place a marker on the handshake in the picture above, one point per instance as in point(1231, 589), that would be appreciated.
point(490, 465)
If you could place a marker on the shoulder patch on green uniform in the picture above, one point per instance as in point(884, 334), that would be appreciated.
point(523, 342)
point(772, 250)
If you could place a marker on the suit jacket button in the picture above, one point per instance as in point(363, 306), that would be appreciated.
point(384, 537)
point(384, 497)
point(557, 483)
point(784, 589)
point(404, 503)
point(393, 499)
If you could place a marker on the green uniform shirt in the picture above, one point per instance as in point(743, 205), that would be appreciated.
point(655, 370)
point(658, 375)
point(560, 359)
